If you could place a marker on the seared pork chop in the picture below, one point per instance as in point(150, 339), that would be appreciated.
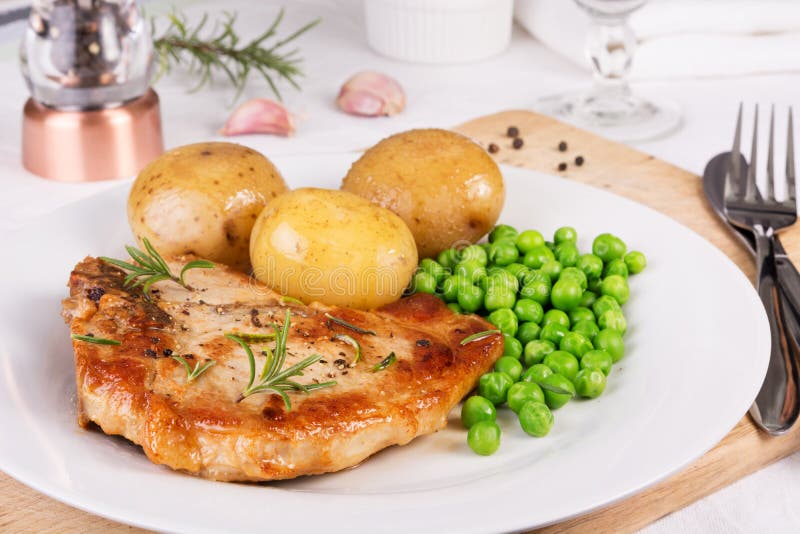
point(137, 390)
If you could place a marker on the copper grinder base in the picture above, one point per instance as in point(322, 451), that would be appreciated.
point(88, 146)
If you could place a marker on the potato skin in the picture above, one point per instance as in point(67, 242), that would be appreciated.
point(333, 247)
point(203, 199)
point(444, 186)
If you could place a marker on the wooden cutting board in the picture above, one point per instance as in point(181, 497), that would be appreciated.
point(608, 165)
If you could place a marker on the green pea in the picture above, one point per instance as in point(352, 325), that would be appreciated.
point(512, 347)
point(594, 285)
point(563, 363)
point(527, 332)
point(581, 314)
point(536, 419)
point(608, 247)
point(528, 240)
point(610, 341)
point(503, 252)
point(470, 298)
point(551, 246)
point(617, 287)
point(509, 366)
point(537, 257)
point(433, 268)
point(588, 298)
point(576, 344)
point(567, 254)
point(565, 234)
point(616, 267)
point(523, 392)
point(576, 275)
point(636, 261)
point(529, 310)
point(498, 296)
point(553, 333)
point(537, 291)
point(587, 328)
point(591, 265)
point(517, 270)
point(449, 258)
point(590, 383)
point(484, 437)
point(423, 283)
point(505, 320)
point(557, 400)
point(471, 270)
point(566, 295)
point(455, 308)
point(536, 275)
point(494, 386)
point(477, 409)
point(503, 231)
point(597, 359)
point(613, 320)
point(552, 269)
point(501, 278)
point(556, 316)
point(603, 304)
point(536, 350)
point(476, 253)
point(536, 373)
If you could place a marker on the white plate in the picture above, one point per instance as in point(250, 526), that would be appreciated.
point(697, 350)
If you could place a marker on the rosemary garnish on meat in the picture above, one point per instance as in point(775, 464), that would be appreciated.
point(352, 342)
point(351, 326)
point(194, 374)
point(251, 338)
point(95, 340)
point(152, 268)
point(384, 363)
point(273, 376)
point(286, 299)
point(478, 335)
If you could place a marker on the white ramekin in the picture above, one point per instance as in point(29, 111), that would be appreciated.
point(438, 31)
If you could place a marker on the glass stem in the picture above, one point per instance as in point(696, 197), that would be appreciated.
point(610, 47)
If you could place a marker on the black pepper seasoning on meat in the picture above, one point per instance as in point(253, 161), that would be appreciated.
point(254, 318)
point(150, 353)
point(562, 146)
point(579, 161)
point(562, 166)
point(167, 352)
point(423, 343)
point(518, 142)
point(95, 293)
point(512, 131)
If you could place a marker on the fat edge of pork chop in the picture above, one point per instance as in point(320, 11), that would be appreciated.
point(137, 390)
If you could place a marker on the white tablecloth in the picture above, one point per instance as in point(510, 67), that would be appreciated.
point(437, 96)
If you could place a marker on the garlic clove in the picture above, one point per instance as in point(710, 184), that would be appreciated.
point(259, 116)
point(371, 94)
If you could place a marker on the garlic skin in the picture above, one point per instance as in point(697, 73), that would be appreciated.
point(371, 94)
point(259, 116)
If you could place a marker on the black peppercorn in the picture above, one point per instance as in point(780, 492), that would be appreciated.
point(512, 131)
point(517, 143)
point(562, 166)
point(562, 146)
point(493, 148)
point(579, 161)
point(167, 352)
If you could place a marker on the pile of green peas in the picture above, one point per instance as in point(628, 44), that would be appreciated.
point(560, 313)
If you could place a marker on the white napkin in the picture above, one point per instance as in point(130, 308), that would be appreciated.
point(683, 38)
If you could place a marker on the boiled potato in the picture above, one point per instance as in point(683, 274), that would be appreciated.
point(444, 186)
point(332, 247)
point(203, 199)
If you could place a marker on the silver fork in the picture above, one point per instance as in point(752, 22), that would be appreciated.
point(777, 405)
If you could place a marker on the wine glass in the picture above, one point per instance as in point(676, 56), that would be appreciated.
point(609, 107)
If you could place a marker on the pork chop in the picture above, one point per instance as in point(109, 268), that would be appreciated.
point(137, 390)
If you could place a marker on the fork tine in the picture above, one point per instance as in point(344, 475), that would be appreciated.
point(771, 157)
point(790, 160)
point(735, 170)
point(752, 192)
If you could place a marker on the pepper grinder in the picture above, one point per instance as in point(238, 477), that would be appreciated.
point(92, 114)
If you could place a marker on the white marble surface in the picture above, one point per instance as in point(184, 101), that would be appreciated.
point(438, 96)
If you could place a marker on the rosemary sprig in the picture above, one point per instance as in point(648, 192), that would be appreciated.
point(251, 338)
point(553, 389)
point(95, 340)
point(353, 343)
point(384, 363)
point(150, 267)
point(194, 374)
point(219, 51)
point(351, 326)
point(286, 299)
point(478, 335)
point(273, 376)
